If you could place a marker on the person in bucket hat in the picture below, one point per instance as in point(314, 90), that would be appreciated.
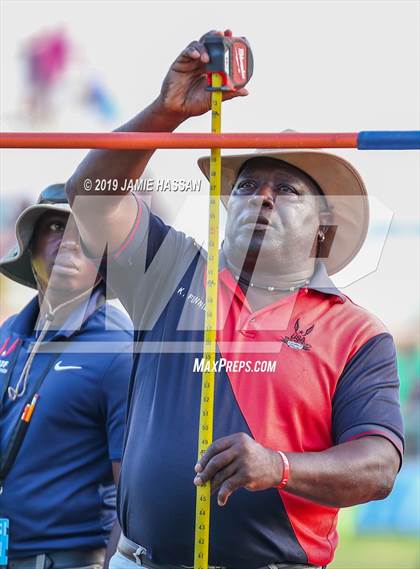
point(58, 475)
point(306, 414)
point(16, 264)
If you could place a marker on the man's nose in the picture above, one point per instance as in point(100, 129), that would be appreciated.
point(264, 196)
point(71, 237)
point(70, 244)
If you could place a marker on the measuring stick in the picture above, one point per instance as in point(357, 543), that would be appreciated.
point(229, 69)
point(205, 431)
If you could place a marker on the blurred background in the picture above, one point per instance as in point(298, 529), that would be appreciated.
point(319, 66)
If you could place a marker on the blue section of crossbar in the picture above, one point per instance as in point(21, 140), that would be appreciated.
point(388, 140)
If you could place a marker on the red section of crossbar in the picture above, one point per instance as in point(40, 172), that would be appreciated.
point(150, 140)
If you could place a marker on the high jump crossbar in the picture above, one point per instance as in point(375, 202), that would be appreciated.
point(364, 140)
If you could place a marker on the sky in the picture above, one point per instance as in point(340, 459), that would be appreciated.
point(319, 66)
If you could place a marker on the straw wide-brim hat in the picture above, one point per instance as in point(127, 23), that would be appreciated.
point(341, 184)
point(16, 264)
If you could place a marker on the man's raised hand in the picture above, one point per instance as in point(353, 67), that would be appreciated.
point(183, 91)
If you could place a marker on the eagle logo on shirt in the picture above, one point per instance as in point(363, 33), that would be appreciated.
point(297, 340)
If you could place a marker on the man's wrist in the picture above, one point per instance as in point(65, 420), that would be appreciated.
point(164, 116)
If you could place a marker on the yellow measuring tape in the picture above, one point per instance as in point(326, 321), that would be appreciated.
point(205, 432)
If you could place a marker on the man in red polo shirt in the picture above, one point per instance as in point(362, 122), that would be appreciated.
point(306, 396)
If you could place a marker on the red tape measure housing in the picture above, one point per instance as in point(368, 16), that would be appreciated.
point(231, 58)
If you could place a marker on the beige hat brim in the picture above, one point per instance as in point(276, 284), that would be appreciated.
point(340, 182)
